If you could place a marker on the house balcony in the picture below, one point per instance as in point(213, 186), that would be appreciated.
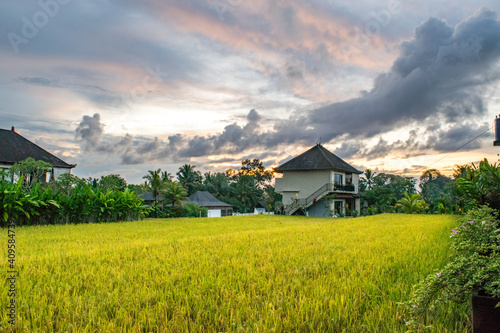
point(343, 188)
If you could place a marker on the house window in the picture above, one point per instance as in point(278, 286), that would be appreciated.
point(338, 179)
point(4, 176)
point(348, 179)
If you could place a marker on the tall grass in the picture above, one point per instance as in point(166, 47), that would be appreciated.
point(241, 274)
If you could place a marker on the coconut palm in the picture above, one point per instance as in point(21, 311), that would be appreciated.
point(175, 194)
point(369, 175)
point(189, 178)
point(216, 183)
point(155, 183)
point(412, 204)
point(246, 191)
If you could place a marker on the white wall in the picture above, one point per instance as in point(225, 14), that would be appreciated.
point(214, 213)
point(60, 171)
point(301, 183)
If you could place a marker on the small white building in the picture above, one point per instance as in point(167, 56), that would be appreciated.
point(15, 148)
point(216, 208)
point(318, 183)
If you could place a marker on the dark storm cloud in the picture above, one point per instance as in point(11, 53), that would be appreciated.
point(442, 71)
point(457, 136)
point(441, 76)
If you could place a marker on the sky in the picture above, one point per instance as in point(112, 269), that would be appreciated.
point(123, 87)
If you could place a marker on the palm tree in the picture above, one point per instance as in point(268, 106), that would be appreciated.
point(175, 194)
point(166, 177)
point(246, 191)
point(189, 178)
point(369, 175)
point(216, 183)
point(413, 204)
point(155, 183)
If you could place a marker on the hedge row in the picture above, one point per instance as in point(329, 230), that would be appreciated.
point(44, 205)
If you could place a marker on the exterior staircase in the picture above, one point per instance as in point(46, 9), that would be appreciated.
point(303, 203)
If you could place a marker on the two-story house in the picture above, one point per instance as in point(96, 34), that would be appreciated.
point(318, 183)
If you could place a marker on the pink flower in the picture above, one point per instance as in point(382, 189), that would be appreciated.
point(464, 227)
point(438, 274)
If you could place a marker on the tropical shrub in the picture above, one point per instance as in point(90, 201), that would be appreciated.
point(473, 267)
point(193, 210)
point(16, 204)
point(479, 185)
point(39, 204)
point(412, 204)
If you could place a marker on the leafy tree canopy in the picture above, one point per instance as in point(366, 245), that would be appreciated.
point(31, 170)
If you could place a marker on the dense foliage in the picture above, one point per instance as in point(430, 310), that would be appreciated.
point(42, 204)
point(380, 193)
point(470, 187)
point(69, 199)
point(473, 267)
point(244, 188)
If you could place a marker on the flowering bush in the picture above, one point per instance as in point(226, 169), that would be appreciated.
point(473, 267)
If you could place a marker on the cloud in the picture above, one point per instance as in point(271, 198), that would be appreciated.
point(234, 139)
point(440, 73)
point(89, 132)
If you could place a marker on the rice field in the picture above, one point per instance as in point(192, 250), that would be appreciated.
point(234, 274)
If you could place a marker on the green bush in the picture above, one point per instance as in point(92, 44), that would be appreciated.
point(193, 210)
point(473, 267)
point(39, 204)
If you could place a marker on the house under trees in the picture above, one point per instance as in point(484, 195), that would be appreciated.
point(15, 148)
point(318, 183)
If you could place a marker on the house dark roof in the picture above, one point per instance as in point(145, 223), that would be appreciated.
point(15, 148)
point(205, 199)
point(148, 196)
point(317, 158)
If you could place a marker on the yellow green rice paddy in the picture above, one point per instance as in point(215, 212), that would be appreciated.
point(236, 274)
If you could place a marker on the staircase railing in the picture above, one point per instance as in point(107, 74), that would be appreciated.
point(318, 194)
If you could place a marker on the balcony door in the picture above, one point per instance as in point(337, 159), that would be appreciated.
point(338, 207)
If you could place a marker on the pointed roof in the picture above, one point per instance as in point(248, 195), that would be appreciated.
point(205, 199)
point(317, 158)
point(15, 148)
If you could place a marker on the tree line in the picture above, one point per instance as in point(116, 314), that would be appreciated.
point(470, 186)
point(244, 188)
point(30, 199)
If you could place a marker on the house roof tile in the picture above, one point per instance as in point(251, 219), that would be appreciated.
point(317, 158)
point(205, 199)
point(15, 148)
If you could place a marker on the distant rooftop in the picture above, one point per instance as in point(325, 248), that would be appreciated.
point(317, 158)
point(15, 148)
point(205, 199)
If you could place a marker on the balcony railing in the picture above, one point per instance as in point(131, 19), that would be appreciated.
point(345, 188)
point(322, 191)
